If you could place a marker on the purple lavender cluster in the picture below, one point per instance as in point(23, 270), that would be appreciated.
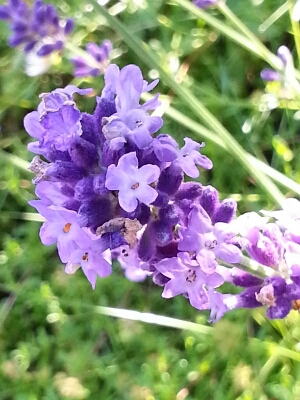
point(37, 28)
point(277, 247)
point(95, 60)
point(111, 187)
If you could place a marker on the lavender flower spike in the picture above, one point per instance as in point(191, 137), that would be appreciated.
point(95, 61)
point(37, 29)
point(132, 182)
point(57, 122)
point(109, 190)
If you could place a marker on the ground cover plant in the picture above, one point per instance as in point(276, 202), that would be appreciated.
point(227, 77)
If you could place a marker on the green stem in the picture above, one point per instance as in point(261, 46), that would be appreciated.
point(206, 134)
point(246, 39)
point(261, 49)
point(295, 29)
point(26, 216)
point(252, 267)
point(15, 160)
point(195, 105)
point(153, 319)
point(274, 17)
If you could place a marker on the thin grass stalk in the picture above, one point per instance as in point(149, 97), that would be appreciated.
point(206, 134)
point(150, 318)
point(245, 39)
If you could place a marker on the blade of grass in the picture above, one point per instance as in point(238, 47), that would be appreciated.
point(25, 216)
point(295, 29)
point(194, 104)
point(274, 17)
point(245, 39)
point(15, 160)
point(205, 133)
point(6, 307)
point(150, 318)
point(261, 49)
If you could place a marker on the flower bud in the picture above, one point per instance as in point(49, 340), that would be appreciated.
point(170, 179)
point(209, 199)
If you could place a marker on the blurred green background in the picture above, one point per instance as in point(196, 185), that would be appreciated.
point(54, 342)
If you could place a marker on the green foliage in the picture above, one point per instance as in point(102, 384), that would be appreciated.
point(54, 342)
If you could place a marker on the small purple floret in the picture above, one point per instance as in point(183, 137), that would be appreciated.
point(132, 183)
point(95, 62)
point(204, 3)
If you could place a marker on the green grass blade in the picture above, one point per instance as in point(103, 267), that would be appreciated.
point(150, 318)
point(245, 39)
point(206, 134)
point(15, 160)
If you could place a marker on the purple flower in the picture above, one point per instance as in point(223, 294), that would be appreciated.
point(275, 293)
point(225, 211)
point(167, 150)
point(33, 126)
point(217, 305)
point(131, 122)
point(287, 71)
point(135, 126)
point(95, 61)
point(238, 277)
point(127, 85)
point(60, 227)
point(61, 127)
point(204, 3)
point(189, 157)
point(267, 247)
point(288, 218)
point(210, 200)
point(270, 75)
point(200, 235)
point(51, 193)
point(278, 296)
point(135, 269)
point(56, 122)
point(93, 258)
point(132, 182)
point(37, 29)
point(54, 100)
point(186, 277)
point(109, 190)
